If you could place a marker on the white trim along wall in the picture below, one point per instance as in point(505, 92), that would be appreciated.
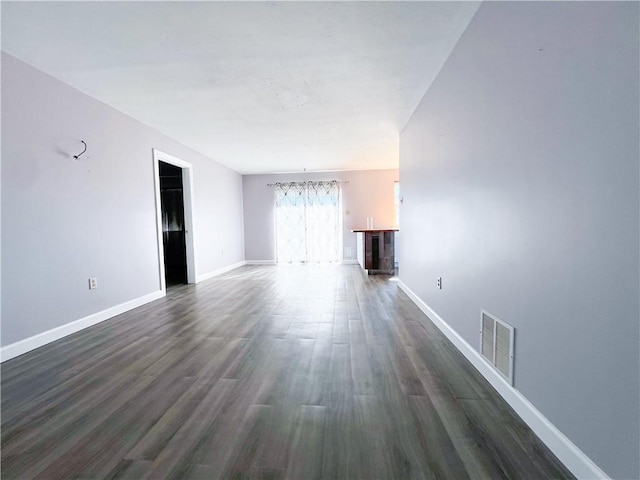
point(219, 271)
point(36, 341)
point(566, 451)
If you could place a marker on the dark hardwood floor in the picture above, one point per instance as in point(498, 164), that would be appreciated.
point(264, 372)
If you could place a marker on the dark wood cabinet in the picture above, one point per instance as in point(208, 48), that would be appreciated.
point(376, 250)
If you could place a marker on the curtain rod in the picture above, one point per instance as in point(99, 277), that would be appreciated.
point(282, 183)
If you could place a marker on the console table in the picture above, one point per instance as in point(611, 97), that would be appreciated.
point(375, 250)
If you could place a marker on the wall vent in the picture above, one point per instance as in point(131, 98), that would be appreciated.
point(496, 344)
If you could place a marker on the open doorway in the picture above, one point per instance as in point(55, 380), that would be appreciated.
point(173, 229)
point(397, 202)
point(174, 194)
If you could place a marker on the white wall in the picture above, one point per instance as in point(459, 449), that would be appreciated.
point(369, 193)
point(520, 177)
point(64, 221)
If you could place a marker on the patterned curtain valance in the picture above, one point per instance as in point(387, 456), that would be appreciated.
point(286, 186)
point(286, 190)
point(291, 188)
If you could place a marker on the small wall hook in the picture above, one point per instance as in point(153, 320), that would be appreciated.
point(85, 149)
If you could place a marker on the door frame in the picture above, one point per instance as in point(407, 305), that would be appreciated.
point(188, 196)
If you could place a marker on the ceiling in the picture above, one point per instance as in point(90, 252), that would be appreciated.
point(260, 87)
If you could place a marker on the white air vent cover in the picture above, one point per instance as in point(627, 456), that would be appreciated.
point(496, 344)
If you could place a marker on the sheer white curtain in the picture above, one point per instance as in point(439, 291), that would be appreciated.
point(291, 226)
point(323, 222)
point(308, 222)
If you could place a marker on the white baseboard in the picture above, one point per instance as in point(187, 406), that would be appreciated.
point(273, 262)
point(219, 271)
point(23, 346)
point(563, 448)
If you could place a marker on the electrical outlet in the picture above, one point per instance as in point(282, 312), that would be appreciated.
point(439, 283)
point(93, 283)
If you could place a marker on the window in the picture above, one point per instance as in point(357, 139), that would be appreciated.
point(308, 222)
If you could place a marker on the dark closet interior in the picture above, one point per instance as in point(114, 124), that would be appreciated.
point(173, 228)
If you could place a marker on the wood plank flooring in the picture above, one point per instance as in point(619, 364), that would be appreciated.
point(264, 372)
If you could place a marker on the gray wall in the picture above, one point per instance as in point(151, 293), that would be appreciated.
point(369, 193)
point(520, 177)
point(64, 221)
